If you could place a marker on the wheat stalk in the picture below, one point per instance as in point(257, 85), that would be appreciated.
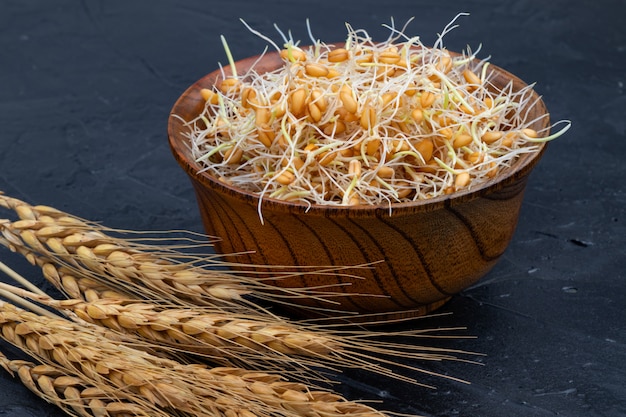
point(257, 342)
point(139, 376)
point(227, 337)
point(133, 266)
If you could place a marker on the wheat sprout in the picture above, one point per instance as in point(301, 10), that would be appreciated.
point(421, 122)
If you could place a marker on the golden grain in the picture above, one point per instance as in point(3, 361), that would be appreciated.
point(233, 155)
point(368, 118)
point(427, 99)
point(316, 70)
point(462, 180)
point(229, 84)
point(298, 101)
point(425, 148)
point(385, 171)
point(318, 98)
point(285, 178)
point(266, 135)
point(491, 136)
point(338, 55)
point(315, 112)
point(531, 133)
point(445, 64)
point(248, 98)
point(209, 96)
point(461, 140)
point(355, 167)
point(347, 98)
point(372, 146)
point(446, 132)
point(263, 115)
point(293, 54)
point(389, 57)
point(474, 157)
point(335, 127)
point(471, 78)
point(417, 115)
point(326, 158)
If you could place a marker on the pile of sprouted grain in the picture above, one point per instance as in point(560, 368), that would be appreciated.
point(363, 123)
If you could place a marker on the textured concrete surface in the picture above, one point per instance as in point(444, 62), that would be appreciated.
point(85, 91)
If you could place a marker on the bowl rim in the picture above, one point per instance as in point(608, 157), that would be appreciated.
point(191, 97)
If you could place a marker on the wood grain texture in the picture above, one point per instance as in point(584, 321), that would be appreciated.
point(421, 253)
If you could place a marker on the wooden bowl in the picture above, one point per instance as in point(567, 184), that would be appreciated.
point(430, 250)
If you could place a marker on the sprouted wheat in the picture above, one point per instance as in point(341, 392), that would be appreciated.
point(363, 124)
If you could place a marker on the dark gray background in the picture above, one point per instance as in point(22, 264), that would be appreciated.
point(85, 92)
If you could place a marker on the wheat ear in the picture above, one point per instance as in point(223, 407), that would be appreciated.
point(61, 277)
point(139, 376)
point(259, 343)
point(147, 270)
